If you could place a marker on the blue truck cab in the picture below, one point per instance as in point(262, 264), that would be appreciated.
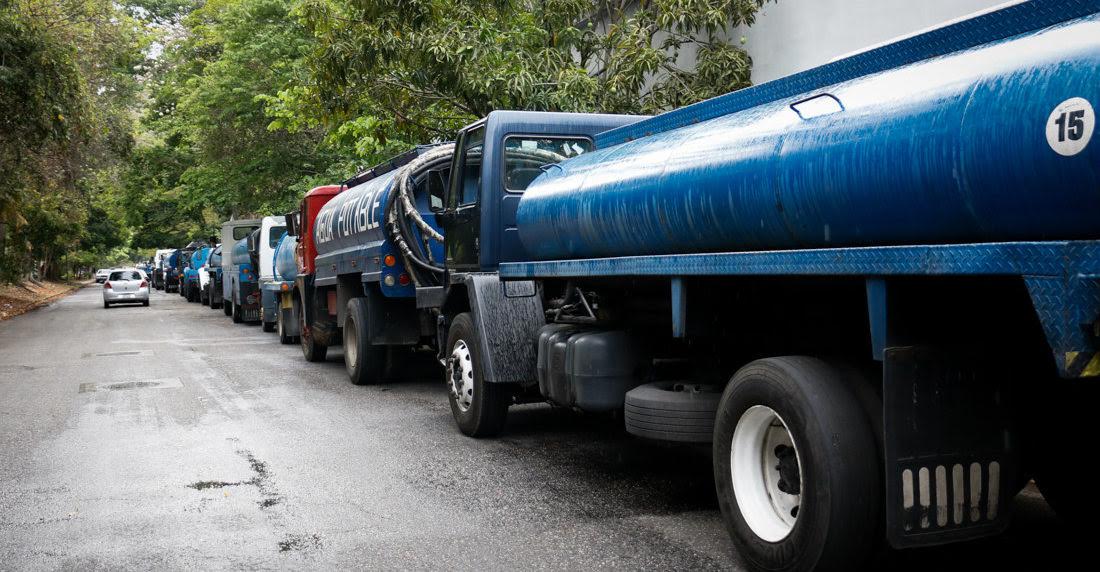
point(244, 283)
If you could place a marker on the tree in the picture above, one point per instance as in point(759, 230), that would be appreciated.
point(423, 67)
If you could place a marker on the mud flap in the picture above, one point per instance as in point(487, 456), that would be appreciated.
point(507, 316)
point(951, 452)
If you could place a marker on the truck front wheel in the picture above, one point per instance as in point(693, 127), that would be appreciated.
point(227, 307)
point(479, 407)
point(795, 467)
point(364, 361)
point(238, 315)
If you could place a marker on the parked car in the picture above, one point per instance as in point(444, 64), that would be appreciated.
point(101, 275)
point(126, 285)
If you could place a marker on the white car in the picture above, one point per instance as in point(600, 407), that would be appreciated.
point(101, 275)
point(125, 285)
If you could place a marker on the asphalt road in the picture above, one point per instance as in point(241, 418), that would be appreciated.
point(168, 437)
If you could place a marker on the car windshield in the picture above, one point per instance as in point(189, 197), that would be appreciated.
point(125, 275)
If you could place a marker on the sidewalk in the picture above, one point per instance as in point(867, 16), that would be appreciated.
point(16, 299)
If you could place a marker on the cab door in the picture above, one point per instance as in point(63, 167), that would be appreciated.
point(461, 219)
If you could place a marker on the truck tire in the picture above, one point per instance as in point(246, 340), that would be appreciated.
point(784, 422)
point(479, 408)
point(227, 307)
point(364, 361)
point(268, 326)
point(238, 315)
point(204, 298)
point(672, 411)
point(312, 350)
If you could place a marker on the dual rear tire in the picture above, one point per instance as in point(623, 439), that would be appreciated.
point(364, 361)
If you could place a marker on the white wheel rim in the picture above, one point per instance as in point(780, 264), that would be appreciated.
point(460, 376)
point(770, 512)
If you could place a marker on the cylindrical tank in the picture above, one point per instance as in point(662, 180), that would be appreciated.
point(987, 144)
point(239, 255)
point(286, 269)
point(354, 218)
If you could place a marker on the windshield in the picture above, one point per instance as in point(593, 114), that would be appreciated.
point(125, 275)
point(524, 157)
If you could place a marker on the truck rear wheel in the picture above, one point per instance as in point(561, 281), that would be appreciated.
point(238, 316)
point(312, 350)
point(479, 407)
point(795, 467)
point(364, 361)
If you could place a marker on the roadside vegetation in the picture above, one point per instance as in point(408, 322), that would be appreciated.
point(139, 124)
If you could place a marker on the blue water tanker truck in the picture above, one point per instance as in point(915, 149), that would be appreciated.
point(243, 279)
point(191, 282)
point(873, 287)
point(232, 232)
point(281, 285)
point(375, 242)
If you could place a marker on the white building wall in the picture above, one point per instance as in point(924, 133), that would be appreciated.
point(793, 35)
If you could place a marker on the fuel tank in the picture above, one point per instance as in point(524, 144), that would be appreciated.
point(286, 270)
point(990, 143)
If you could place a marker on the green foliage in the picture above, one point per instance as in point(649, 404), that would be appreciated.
point(424, 67)
point(69, 68)
point(145, 123)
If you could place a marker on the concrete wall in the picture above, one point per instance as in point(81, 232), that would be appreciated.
point(792, 35)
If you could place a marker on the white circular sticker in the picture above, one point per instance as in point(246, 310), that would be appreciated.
point(1070, 126)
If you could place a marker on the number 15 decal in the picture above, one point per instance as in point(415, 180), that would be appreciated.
point(1070, 126)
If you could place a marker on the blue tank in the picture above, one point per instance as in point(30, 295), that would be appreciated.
point(350, 232)
point(989, 143)
point(286, 267)
point(239, 254)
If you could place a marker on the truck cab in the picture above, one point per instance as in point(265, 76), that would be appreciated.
point(272, 230)
point(495, 159)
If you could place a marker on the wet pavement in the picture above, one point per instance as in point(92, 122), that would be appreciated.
point(168, 437)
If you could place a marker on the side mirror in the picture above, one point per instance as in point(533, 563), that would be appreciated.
point(292, 223)
point(250, 242)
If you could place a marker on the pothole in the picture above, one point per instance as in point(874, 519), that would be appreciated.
point(162, 383)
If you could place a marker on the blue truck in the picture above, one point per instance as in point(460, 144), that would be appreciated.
point(244, 284)
point(192, 285)
point(873, 287)
point(232, 232)
point(281, 286)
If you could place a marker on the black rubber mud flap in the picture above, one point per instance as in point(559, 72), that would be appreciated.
point(951, 449)
point(507, 317)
